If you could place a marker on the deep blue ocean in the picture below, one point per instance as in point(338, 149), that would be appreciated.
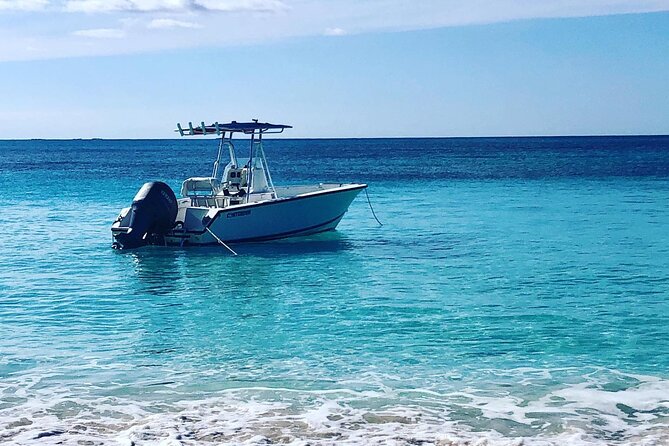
point(518, 293)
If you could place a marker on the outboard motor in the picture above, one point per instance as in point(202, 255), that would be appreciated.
point(152, 215)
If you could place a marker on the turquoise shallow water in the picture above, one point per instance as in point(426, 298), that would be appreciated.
point(517, 292)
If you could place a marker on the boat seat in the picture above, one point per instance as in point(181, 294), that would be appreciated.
point(200, 187)
point(237, 177)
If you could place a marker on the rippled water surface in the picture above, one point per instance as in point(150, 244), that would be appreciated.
point(518, 292)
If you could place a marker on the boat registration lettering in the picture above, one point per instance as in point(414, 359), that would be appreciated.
point(238, 214)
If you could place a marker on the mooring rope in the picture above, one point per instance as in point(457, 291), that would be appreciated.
point(220, 241)
point(371, 208)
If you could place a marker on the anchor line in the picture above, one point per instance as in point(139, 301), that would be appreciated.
point(371, 208)
point(220, 241)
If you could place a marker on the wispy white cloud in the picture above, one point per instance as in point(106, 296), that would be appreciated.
point(23, 5)
point(334, 32)
point(241, 5)
point(254, 21)
point(171, 23)
point(97, 6)
point(101, 33)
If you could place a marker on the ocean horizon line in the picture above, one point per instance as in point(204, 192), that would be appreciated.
point(328, 138)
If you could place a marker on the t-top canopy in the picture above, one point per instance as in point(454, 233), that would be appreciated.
point(232, 127)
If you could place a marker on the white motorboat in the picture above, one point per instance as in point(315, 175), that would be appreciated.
point(238, 203)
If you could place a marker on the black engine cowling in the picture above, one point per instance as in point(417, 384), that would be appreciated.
point(152, 215)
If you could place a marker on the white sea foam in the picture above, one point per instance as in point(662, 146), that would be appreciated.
point(593, 411)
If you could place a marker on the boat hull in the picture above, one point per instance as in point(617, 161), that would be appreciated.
point(267, 220)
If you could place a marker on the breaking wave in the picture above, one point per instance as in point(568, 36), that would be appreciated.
point(603, 408)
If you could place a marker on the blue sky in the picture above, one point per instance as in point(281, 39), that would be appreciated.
point(133, 68)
